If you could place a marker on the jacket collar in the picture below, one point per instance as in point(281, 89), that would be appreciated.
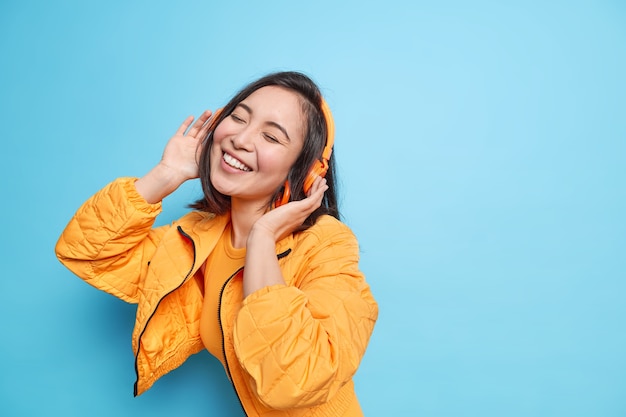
point(205, 230)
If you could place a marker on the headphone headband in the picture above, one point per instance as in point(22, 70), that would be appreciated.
point(330, 132)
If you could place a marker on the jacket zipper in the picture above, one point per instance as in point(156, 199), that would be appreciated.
point(193, 245)
point(219, 320)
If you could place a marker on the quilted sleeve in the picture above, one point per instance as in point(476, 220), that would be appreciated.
point(301, 344)
point(110, 238)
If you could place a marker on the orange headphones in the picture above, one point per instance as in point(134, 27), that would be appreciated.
point(320, 166)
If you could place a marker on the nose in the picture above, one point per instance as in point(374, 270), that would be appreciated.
point(243, 140)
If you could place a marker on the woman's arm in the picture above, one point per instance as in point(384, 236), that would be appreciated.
point(110, 239)
point(262, 267)
point(300, 344)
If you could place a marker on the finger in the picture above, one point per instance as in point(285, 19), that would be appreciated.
point(183, 127)
point(314, 185)
point(197, 126)
point(315, 197)
point(319, 182)
point(322, 187)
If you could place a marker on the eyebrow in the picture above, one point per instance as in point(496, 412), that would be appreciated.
point(271, 123)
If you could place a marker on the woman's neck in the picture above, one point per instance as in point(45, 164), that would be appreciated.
point(243, 215)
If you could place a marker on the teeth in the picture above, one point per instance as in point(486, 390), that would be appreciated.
point(235, 163)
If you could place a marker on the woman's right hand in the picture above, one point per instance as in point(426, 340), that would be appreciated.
point(179, 162)
point(183, 149)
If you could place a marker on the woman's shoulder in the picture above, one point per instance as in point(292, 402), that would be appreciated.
point(327, 228)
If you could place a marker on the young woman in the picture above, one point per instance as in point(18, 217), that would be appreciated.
point(262, 273)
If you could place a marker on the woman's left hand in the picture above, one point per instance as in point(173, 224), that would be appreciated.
point(283, 220)
point(262, 268)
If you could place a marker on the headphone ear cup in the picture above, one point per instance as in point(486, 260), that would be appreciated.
point(317, 170)
point(284, 199)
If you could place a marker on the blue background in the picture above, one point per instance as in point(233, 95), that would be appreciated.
point(481, 148)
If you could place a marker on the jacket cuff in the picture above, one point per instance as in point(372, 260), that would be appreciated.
point(127, 185)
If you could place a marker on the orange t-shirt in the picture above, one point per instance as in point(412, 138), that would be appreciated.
point(221, 264)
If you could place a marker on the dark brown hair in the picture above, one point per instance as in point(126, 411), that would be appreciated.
point(314, 142)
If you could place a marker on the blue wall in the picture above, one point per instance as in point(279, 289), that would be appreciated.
point(482, 154)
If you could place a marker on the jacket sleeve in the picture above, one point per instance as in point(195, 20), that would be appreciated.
point(301, 344)
point(110, 239)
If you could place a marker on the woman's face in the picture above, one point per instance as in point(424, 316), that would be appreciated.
point(257, 144)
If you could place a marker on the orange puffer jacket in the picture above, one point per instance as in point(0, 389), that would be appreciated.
point(290, 350)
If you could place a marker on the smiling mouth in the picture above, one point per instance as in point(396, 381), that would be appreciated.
point(235, 163)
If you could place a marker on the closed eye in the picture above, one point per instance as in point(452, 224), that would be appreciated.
point(236, 118)
point(270, 138)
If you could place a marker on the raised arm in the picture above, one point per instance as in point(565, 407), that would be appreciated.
point(301, 343)
point(261, 264)
point(110, 239)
